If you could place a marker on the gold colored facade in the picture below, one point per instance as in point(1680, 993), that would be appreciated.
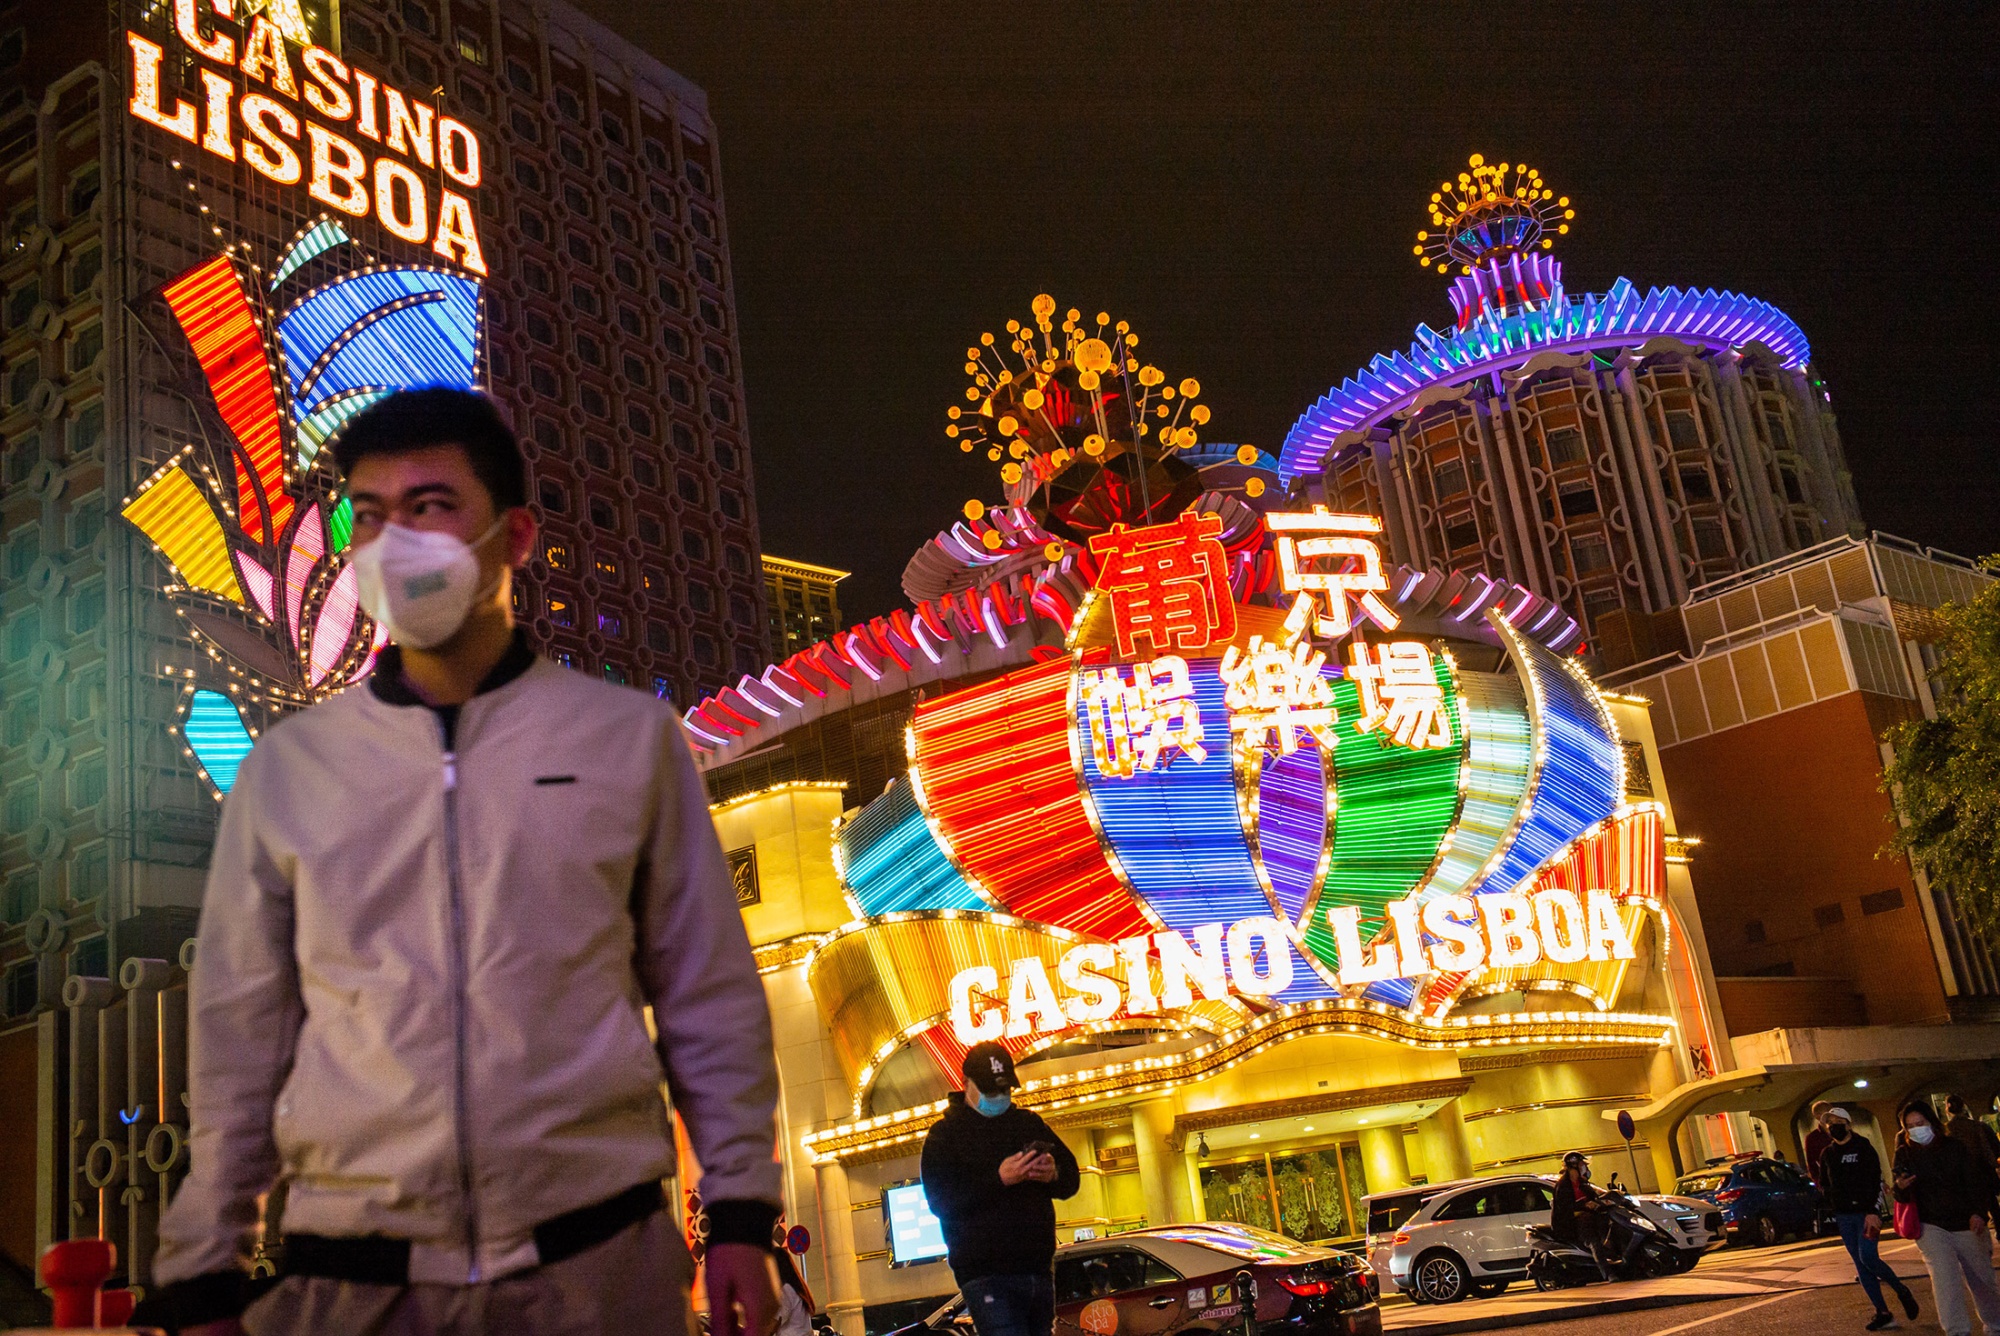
point(803, 604)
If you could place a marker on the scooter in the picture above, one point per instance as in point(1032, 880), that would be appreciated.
point(1554, 1264)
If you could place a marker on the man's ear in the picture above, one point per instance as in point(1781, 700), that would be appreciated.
point(521, 530)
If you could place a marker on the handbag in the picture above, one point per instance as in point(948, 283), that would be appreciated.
point(1908, 1224)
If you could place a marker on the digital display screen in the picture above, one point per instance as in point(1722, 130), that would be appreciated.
point(914, 1233)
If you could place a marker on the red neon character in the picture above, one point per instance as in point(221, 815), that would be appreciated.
point(1168, 583)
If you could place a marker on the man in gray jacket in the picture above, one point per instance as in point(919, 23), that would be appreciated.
point(439, 907)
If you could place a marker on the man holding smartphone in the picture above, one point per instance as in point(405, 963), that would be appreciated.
point(1853, 1185)
point(992, 1173)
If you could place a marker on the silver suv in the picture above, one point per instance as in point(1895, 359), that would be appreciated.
point(1444, 1242)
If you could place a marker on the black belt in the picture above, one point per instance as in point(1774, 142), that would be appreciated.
point(376, 1260)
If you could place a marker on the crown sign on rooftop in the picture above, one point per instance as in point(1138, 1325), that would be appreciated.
point(1491, 214)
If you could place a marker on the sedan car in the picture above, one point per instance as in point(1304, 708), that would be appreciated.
point(1761, 1199)
point(1190, 1280)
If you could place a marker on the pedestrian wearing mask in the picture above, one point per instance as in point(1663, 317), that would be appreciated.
point(1852, 1181)
point(1937, 1178)
point(992, 1173)
point(438, 909)
point(1979, 1142)
point(1817, 1140)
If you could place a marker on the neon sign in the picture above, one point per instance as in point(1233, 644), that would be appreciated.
point(285, 131)
point(1166, 970)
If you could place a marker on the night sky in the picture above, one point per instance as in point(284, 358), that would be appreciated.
point(1245, 184)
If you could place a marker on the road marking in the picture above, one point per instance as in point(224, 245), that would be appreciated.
point(1734, 1312)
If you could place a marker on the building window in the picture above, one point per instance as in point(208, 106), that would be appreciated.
point(666, 249)
point(597, 452)
point(471, 46)
point(362, 36)
point(86, 608)
point(86, 520)
point(23, 805)
point(24, 630)
point(1578, 500)
point(657, 155)
point(89, 874)
point(84, 184)
point(629, 318)
point(663, 687)
point(1682, 431)
point(659, 637)
point(593, 401)
point(84, 269)
point(590, 351)
point(607, 570)
point(85, 345)
point(725, 455)
point(611, 626)
point(569, 104)
point(674, 341)
point(705, 652)
point(561, 612)
point(720, 407)
point(640, 420)
point(540, 328)
point(691, 490)
point(603, 514)
point(716, 359)
point(475, 97)
point(618, 177)
point(23, 986)
point(554, 498)
point(679, 390)
point(708, 268)
point(636, 371)
point(1589, 554)
point(1696, 485)
point(529, 174)
point(23, 453)
point(697, 176)
point(651, 531)
point(86, 783)
point(704, 223)
point(1464, 534)
point(91, 957)
point(577, 201)
point(581, 248)
point(418, 17)
point(614, 674)
point(21, 378)
point(626, 272)
point(711, 315)
point(736, 560)
point(654, 581)
point(557, 555)
point(1827, 916)
point(623, 227)
point(522, 121)
point(1881, 902)
point(521, 76)
point(700, 597)
point(1565, 446)
point(544, 381)
point(22, 301)
point(671, 294)
point(1711, 543)
point(614, 129)
point(533, 225)
point(564, 659)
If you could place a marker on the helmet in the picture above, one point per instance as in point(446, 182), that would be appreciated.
point(1576, 1159)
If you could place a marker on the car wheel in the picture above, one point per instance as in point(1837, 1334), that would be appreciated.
point(1486, 1289)
point(1442, 1278)
point(1764, 1231)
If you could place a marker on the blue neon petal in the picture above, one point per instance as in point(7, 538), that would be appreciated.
point(385, 329)
point(215, 731)
point(891, 863)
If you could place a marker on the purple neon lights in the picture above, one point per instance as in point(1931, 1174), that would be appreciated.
point(1492, 341)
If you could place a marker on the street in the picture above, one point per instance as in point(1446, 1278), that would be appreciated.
point(1792, 1287)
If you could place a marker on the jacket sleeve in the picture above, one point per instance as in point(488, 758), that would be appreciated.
point(696, 969)
point(1903, 1166)
point(243, 1023)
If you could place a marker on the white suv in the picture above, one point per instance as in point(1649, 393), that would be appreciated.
point(1450, 1241)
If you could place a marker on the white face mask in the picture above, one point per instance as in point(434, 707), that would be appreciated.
point(420, 584)
point(1922, 1134)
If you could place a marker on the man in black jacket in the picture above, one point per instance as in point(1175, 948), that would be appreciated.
point(1851, 1177)
point(993, 1173)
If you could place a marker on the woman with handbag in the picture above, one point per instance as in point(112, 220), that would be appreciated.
point(1939, 1196)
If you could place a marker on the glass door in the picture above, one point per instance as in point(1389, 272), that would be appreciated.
point(1308, 1195)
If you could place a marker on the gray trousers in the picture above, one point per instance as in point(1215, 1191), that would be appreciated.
point(635, 1282)
point(1960, 1259)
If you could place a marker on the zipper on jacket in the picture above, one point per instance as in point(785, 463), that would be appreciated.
point(461, 1082)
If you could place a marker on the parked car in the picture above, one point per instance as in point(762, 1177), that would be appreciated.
point(1190, 1280)
point(1762, 1199)
point(1444, 1242)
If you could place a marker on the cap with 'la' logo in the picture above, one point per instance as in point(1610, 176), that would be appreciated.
point(990, 1068)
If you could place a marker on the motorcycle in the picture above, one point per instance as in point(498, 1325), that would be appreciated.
point(1635, 1248)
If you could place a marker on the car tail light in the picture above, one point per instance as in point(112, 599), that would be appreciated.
point(1403, 1237)
point(1729, 1196)
point(1299, 1286)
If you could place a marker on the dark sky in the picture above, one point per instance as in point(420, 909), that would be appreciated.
point(1244, 184)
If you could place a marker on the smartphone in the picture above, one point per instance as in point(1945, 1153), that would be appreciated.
point(1040, 1147)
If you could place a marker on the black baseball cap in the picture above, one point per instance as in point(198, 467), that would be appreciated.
point(990, 1068)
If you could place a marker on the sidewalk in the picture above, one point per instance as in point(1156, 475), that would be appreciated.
point(1724, 1274)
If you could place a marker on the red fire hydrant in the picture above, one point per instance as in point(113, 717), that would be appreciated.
point(75, 1272)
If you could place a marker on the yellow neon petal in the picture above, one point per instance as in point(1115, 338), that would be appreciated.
point(176, 514)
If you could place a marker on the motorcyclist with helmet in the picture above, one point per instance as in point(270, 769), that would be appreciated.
point(1580, 1216)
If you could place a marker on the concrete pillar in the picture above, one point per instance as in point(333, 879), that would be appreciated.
point(1091, 1200)
point(1446, 1155)
point(1151, 1122)
point(843, 1273)
point(1191, 1167)
point(1385, 1162)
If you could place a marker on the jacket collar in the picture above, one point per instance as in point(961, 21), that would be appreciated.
point(386, 683)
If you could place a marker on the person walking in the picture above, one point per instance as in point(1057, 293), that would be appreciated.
point(439, 908)
point(1852, 1181)
point(1979, 1143)
point(1934, 1174)
point(992, 1172)
point(1817, 1140)
point(795, 1298)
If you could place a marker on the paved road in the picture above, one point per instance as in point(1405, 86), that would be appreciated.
point(1789, 1288)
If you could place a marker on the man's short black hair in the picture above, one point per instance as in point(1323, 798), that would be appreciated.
point(440, 415)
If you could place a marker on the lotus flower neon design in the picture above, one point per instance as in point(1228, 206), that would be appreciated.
point(261, 579)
